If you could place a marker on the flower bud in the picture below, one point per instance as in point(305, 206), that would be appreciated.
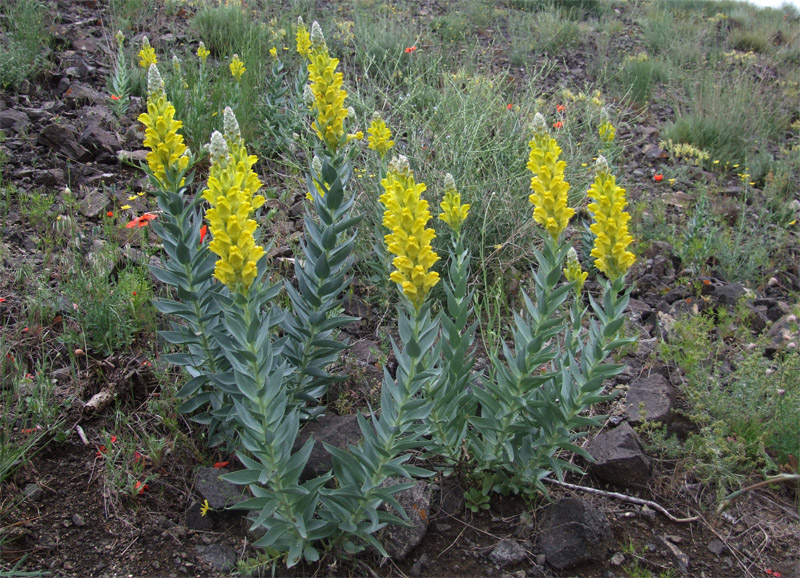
point(231, 126)
point(155, 84)
point(539, 124)
point(317, 37)
point(400, 166)
point(217, 148)
point(601, 166)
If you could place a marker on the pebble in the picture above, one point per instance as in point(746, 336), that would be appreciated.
point(78, 520)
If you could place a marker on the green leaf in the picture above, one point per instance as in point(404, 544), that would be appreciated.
point(242, 477)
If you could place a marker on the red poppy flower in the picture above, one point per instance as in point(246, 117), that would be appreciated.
point(203, 233)
point(134, 293)
point(658, 178)
point(560, 108)
point(114, 97)
point(113, 439)
point(110, 214)
point(558, 124)
point(221, 464)
point(411, 49)
point(141, 221)
point(509, 106)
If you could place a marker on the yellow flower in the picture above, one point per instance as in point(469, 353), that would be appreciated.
point(237, 67)
point(573, 272)
point(326, 93)
point(147, 55)
point(549, 196)
point(611, 224)
point(607, 132)
point(203, 52)
point(205, 508)
point(453, 212)
point(380, 137)
point(303, 39)
point(231, 192)
point(405, 216)
point(273, 52)
point(125, 207)
point(161, 136)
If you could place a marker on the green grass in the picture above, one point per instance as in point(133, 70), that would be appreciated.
point(24, 42)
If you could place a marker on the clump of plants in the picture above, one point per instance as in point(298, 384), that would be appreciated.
point(258, 369)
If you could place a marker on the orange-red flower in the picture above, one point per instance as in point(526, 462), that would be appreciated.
point(140, 487)
point(558, 124)
point(509, 106)
point(110, 214)
point(658, 178)
point(203, 233)
point(560, 108)
point(221, 464)
point(141, 221)
point(114, 97)
point(411, 49)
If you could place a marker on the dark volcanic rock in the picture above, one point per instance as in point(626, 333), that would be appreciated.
point(63, 139)
point(219, 493)
point(15, 120)
point(508, 552)
point(218, 556)
point(335, 430)
point(619, 457)
point(416, 501)
point(573, 532)
point(654, 394)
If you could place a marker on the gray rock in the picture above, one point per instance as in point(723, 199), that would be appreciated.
point(103, 143)
point(63, 139)
point(50, 177)
point(12, 119)
point(416, 501)
point(784, 332)
point(219, 493)
point(654, 394)
point(335, 430)
point(728, 294)
point(218, 556)
point(508, 552)
point(94, 203)
point(33, 492)
point(619, 457)
point(79, 94)
point(573, 532)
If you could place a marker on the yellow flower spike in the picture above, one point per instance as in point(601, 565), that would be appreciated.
point(611, 224)
point(549, 196)
point(325, 94)
point(573, 272)
point(237, 67)
point(380, 137)
point(303, 39)
point(406, 216)
point(161, 136)
point(202, 52)
point(147, 55)
point(231, 192)
point(607, 132)
point(273, 52)
point(453, 212)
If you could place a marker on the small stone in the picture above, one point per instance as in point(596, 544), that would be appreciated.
point(617, 559)
point(650, 399)
point(78, 520)
point(619, 457)
point(419, 565)
point(508, 552)
point(716, 546)
point(219, 493)
point(572, 532)
point(416, 501)
point(32, 492)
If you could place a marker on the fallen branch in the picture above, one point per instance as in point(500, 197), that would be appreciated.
point(624, 498)
point(726, 501)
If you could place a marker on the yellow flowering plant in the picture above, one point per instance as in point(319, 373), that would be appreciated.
point(147, 55)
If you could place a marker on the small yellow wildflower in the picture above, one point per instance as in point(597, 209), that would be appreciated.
point(380, 137)
point(237, 67)
point(406, 216)
point(273, 52)
point(147, 55)
point(203, 52)
point(549, 196)
point(125, 207)
point(205, 508)
point(453, 212)
point(611, 224)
